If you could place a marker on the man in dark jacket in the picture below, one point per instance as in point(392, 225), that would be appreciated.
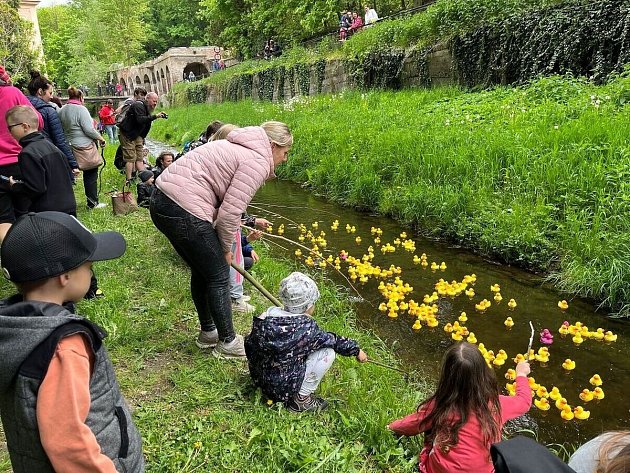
point(134, 129)
point(45, 170)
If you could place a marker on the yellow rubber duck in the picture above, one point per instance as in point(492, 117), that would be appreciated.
point(457, 336)
point(498, 361)
point(542, 404)
point(560, 403)
point(416, 325)
point(598, 393)
point(541, 392)
point(442, 266)
point(567, 413)
point(596, 380)
point(518, 358)
point(358, 240)
point(598, 334)
point(463, 317)
point(495, 288)
point(432, 322)
point(470, 292)
point(580, 413)
point(471, 338)
point(568, 364)
point(509, 323)
point(434, 266)
point(564, 305)
point(554, 394)
point(510, 374)
point(512, 304)
point(577, 339)
point(497, 297)
point(564, 329)
point(448, 328)
point(510, 388)
point(586, 395)
point(610, 337)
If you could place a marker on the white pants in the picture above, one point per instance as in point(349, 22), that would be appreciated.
point(317, 364)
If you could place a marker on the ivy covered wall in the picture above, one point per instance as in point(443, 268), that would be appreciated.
point(586, 39)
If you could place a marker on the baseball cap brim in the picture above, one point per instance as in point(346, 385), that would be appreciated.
point(109, 245)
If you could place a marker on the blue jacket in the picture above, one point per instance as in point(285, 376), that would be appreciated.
point(278, 346)
point(53, 130)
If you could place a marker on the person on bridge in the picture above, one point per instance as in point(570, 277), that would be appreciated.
point(198, 205)
point(134, 129)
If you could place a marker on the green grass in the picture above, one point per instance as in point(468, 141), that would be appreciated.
point(535, 176)
point(196, 413)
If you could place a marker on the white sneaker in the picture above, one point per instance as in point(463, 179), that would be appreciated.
point(233, 349)
point(101, 205)
point(239, 305)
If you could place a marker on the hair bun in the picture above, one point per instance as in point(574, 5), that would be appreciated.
point(35, 74)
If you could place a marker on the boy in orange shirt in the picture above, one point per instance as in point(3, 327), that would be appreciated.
point(61, 406)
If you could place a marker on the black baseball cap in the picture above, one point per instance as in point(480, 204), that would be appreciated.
point(45, 244)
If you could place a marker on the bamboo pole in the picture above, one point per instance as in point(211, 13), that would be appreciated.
point(257, 285)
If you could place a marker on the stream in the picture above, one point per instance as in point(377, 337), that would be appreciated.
point(421, 350)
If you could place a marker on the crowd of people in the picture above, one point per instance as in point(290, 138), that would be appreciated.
point(61, 407)
point(350, 22)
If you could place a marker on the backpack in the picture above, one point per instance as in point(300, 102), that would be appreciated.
point(120, 118)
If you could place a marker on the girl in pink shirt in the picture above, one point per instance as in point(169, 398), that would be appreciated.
point(466, 413)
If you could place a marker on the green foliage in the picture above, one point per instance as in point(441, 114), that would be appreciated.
point(16, 54)
point(535, 176)
point(583, 38)
point(86, 38)
point(173, 23)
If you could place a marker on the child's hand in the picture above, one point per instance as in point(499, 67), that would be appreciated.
point(255, 257)
point(523, 369)
point(362, 357)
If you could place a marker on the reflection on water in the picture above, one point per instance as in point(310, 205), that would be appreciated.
point(422, 350)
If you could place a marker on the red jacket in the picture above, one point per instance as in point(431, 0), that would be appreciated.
point(470, 454)
point(106, 114)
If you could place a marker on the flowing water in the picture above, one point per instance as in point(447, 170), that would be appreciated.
point(288, 204)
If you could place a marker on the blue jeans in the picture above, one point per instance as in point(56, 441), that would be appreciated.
point(197, 243)
point(112, 132)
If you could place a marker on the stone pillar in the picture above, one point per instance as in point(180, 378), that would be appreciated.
point(27, 11)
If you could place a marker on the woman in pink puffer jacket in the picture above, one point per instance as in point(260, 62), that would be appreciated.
point(198, 205)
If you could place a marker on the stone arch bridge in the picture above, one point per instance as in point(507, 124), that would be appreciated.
point(160, 74)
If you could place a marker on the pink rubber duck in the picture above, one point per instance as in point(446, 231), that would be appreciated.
point(546, 337)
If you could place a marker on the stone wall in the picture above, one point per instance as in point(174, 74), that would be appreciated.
point(418, 70)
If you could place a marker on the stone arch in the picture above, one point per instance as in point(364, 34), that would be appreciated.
point(163, 80)
point(147, 83)
point(138, 81)
point(169, 79)
point(124, 85)
point(197, 68)
point(154, 82)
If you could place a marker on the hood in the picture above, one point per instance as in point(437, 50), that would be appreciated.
point(30, 138)
point(25, 324)
point(255, 139)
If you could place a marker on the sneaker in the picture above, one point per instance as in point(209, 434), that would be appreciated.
point(239, 305)
point(233, 349)
point(307, 403)
point(207, 339)
point(246, 298)
point(101, 205)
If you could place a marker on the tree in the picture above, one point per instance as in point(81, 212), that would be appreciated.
point(16, 53)
point(173, 23)
point(58, 26)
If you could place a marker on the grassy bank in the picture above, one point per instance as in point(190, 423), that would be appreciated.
point(197, 413)
point(535, 176)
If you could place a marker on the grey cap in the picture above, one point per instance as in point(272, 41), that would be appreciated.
point(298, 292)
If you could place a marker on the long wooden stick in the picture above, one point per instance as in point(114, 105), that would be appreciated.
point(389, 367)
point(257, 285)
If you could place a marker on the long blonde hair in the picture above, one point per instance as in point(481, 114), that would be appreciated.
point(222, 132)
point(278, 133)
